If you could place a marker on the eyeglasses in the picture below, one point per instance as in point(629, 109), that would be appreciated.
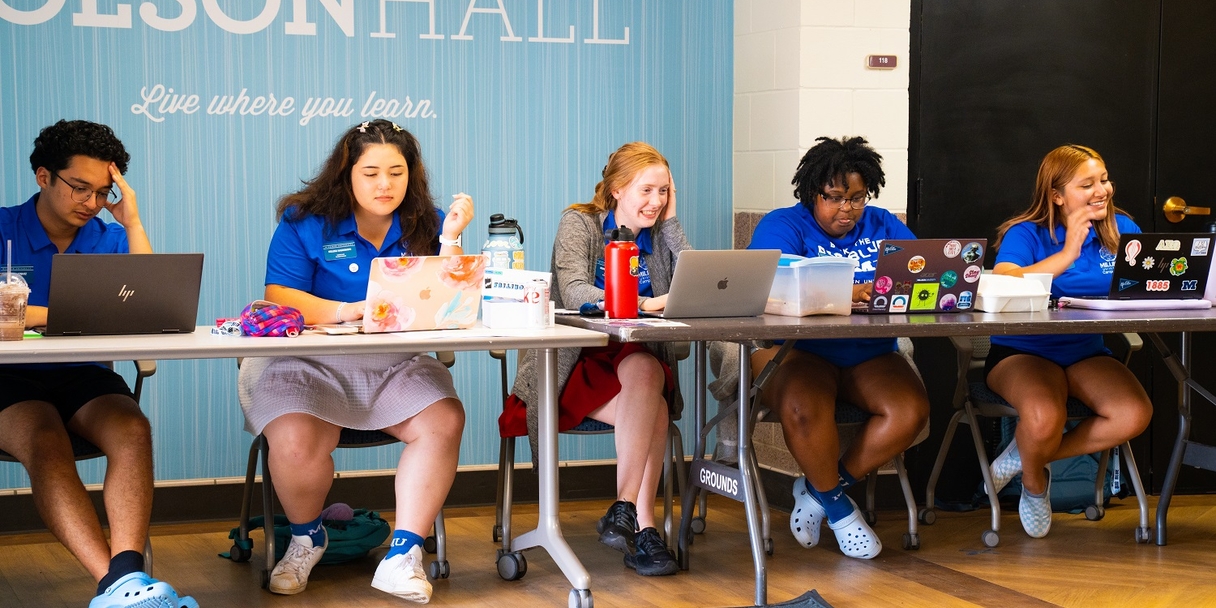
point(80, 194)
point(857, 202)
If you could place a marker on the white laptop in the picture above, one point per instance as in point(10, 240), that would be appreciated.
point(720, 283)
point(123, 293)
point(429, 292)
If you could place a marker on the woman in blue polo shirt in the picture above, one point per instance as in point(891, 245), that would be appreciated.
point(371, 199)
point(833, 183)
point(1072, 231)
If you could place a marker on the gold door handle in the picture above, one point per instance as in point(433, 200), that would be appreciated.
point(1176, 209)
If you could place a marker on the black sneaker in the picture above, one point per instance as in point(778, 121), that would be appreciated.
point(618, 526)
point(652, 558)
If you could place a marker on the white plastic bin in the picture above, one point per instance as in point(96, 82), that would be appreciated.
point(812, 286)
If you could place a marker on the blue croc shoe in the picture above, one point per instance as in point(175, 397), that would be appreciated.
point(138, 590)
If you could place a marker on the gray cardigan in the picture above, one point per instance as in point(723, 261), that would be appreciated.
point(578, 245)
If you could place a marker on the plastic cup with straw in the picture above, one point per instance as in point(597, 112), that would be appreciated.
point(14, 295)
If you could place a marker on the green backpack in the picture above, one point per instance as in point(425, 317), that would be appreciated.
point(348, 540)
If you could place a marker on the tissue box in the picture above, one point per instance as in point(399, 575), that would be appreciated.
point(1000, 293)
point(812, 286)
point(503, 304)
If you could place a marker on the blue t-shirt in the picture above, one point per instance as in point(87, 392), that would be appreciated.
point(645, 245)
point(1027, 243)
point(794, 230)
point(33, 250)
point(333, 263)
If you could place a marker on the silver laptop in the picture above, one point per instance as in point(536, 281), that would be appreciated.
point(721, 283)
point(123, 293)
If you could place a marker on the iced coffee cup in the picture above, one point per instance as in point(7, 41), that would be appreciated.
point(14, 295)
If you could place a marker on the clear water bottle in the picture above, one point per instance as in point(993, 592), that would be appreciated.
point(505, 246)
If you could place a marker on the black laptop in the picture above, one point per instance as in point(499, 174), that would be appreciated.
point(925, 275)
point(100, 294)
point(1161, 266)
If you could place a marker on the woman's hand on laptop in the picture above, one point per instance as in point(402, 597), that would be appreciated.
point(861, 292)
point(351, 311)
point(654, 304)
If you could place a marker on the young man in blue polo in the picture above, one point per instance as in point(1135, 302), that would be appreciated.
point(78, 166)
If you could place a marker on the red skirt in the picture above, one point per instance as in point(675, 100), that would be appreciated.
point(593, 383)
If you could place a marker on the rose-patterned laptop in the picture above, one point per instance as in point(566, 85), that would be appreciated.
point(416, 293)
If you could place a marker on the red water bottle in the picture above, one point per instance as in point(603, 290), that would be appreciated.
point(621, 269)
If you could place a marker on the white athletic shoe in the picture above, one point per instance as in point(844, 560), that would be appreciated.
point(290, 575)
point(402, 575)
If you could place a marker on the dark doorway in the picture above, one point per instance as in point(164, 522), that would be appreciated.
point(996, 85)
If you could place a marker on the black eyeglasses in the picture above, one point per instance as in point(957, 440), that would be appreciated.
point(80, 194)
point(857, 202)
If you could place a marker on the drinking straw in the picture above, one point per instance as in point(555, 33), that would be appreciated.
point(8, 255)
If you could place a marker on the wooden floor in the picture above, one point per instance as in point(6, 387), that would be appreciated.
point(1081, 563)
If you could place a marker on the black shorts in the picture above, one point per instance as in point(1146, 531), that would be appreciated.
point(1000, 352)
point(67, 388)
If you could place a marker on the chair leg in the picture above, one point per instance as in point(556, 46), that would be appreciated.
point(1133, 474)
point(496, 535)
point(1097, 510)
point(267, 510)
point(676, 457)
point(668, 483)
point(148, 555)
point(871, 513)
point(939, 462)
point(912, 538)
point(439, 568)
point(991, 537)
point(508, 489)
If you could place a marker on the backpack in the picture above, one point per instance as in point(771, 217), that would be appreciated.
point(348, 539)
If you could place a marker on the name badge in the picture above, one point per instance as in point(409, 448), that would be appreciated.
point(344, 250)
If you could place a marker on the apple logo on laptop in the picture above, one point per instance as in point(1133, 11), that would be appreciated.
point(722, 283)
point(425, 294)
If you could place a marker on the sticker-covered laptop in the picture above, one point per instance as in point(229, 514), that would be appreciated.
point(429, 292)
point(925, 275)
point(1161, 266)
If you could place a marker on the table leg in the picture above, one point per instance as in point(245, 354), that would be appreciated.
point(1181, 371)
point(548, 532)
point(750, 485)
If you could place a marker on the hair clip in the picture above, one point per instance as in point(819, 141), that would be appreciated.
point(363, 127)
point(397, 128)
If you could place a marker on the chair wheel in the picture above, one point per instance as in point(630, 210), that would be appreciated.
point(497, 534)
point(768, 547)
point(870, 516)
point(911, 541)
point(1143, 534)
point(1095, 512)
point(580, 598)
point(927, 516)
point(439, 570)
point(991, 538)
point(698, 525)
point(265, 579)
point(239, 554)
point(430, 545)
point(512, 566)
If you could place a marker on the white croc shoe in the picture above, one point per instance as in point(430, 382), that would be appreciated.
point(807, 518)
point(402, 575)
point(855, 537)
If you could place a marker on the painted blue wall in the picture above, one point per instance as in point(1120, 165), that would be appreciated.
point(524, 125)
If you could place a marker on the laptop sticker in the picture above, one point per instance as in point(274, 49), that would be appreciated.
point(1199, 247)
point(889, 249)
point(972, 252)
point(1190, 285)
point(1178, 267)
point(972, 274)
point(952, 249)
point(916, 264)
point(899, 303)
point(948, 302)
point(1125, 284)
point(964, 300)
point(1169, 245)
point(1157, 285)
point(879, 303)
point(882, 284)
point(949, 278)
point(924, 297)
point(1132, 249)
point(1148, 262)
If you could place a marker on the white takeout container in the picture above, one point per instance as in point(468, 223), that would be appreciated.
point(812, 286)
point(1002, 293)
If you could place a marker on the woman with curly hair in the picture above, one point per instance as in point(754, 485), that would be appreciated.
point(371, 199)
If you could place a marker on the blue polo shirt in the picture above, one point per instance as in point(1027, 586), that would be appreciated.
point(1027, 243)
point(330, 262)
point(645, 243)
point(33, 250)
point(794, 230)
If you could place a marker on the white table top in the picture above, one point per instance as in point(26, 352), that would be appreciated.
point(202, 344)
